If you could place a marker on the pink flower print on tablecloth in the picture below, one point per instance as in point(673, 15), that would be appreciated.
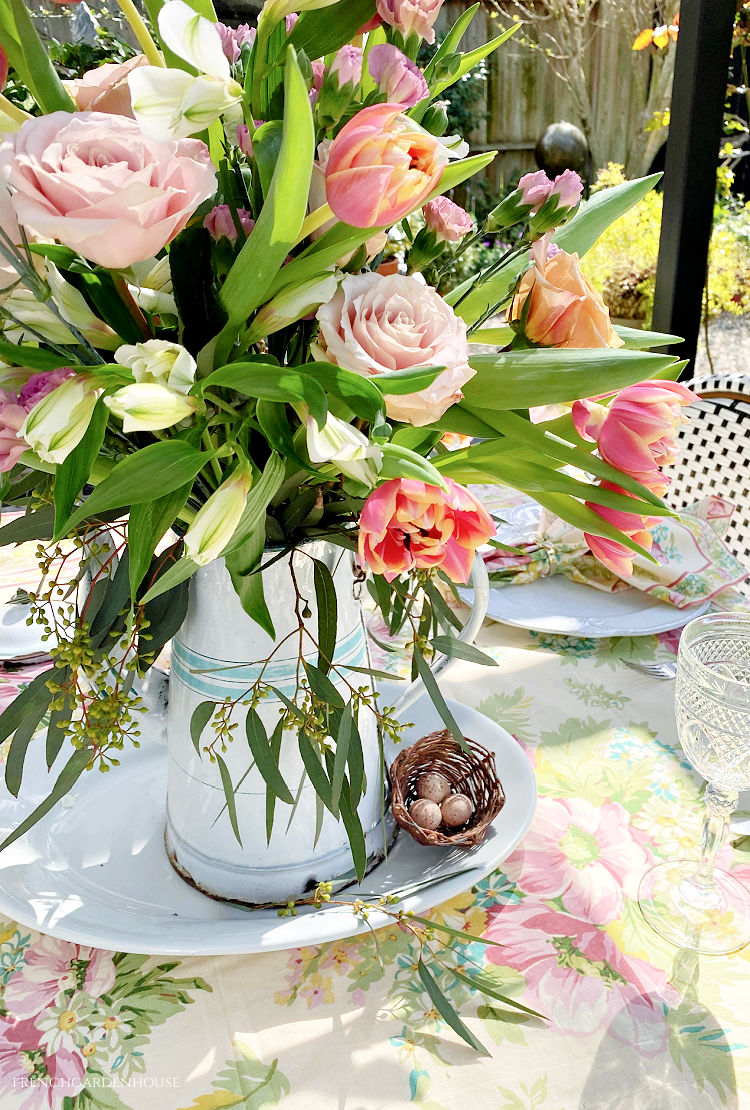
point(53, 966)
point(585, 854)
point(32, 1076)
point(577, 976)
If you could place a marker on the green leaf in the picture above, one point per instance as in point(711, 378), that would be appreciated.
point(35, 358)
point(176, 574)
point(276, 230)
point(446, 1011)
point(437, 699)
point(467, 62)
point(65, 782)
point(355, 833)
point(315, 770)
point(323, 31)
point(165, 615)
point(241, 563)
point(520, 379)
point(400, 462)
point(200, 717)
point(147, 523)
point(636, 339)
point(361, 394)
point(276, 737)
point(31, 526)
point(341, 754)
point(449, 45)
point(22, 718)
point(355, 757)
point(252, 522)
point(400, 382)
point(322, 686)
point(151, 472)
point(264, 757)
point(325, 596)
point(57, 730)
point(29, 57)
point(226, 782)
point(73, 473)
point(486, 985)
point(271, 383)
point(457, 649)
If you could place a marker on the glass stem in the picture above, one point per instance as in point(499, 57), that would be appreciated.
point(719, 805)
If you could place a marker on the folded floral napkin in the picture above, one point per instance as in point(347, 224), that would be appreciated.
point(693, 563)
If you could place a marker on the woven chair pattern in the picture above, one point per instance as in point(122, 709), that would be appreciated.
point(715, 455)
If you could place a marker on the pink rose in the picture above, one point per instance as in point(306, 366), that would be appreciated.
point(105, 89)
point(375, 324)
point(381, 166)
point(397, 77)
point(12, 416)
point(613, 554)
point(410, 15)
point(234, 38)
point(347, 65)
point(95, 183)
point(638, 432)
point(447, 220)
point(408, 525)
point(219, 222)
point(563, 309)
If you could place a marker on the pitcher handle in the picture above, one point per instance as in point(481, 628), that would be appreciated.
point(480, 583)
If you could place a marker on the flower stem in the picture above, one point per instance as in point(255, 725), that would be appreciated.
point(141, 32)
point(315, 220)
point(8, 108)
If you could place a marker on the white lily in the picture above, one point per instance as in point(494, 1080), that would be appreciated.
point(59, 421)
point(38, 317)
point(344, 445)
point(72, 306)
point(151, 286)
point(158, 361)
point(149, 407)
point(216, 522)
point(193, 38)
point(292, 304)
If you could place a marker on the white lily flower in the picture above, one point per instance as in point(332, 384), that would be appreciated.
point(72, 306)
point(151, 286)
point(292, 304)
point(149, 407)
point(216, 522)
point(341, 443)
point(193, 38)
point(59, 421)
point(159, 361)
point(170, 104)
point(38, 317)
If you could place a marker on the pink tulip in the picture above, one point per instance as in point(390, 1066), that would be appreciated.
point(447, 220)
point(406, 524)
point(347, 65)
point(613, 554)
point(411, 15)
point(381, 166)
point(220, 225)
point(397, 77)
point(638, 432)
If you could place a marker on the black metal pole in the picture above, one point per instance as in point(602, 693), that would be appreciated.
point(699, 90)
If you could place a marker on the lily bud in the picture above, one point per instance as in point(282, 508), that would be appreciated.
point(170, 104)
point(59, 421)
point(344, 445)
point(293, 304)
point(158, 361)
point(216, 522)
point(149, 407)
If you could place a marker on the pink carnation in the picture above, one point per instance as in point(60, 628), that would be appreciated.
point(406, 524)
point(347, 65)
point(12, 416)
point(375, 324)
point(39, 385)
point(398, 78)
point(234, 38)
point(448, 220)
point(535, 188)
point(98, 185)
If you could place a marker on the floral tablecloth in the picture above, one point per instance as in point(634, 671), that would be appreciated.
point(631, 1023)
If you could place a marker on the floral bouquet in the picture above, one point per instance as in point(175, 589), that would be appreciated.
point(202, 362)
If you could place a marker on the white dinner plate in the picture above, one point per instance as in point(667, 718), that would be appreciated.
point(559, 606)
point(17, 638)
point(95, 871)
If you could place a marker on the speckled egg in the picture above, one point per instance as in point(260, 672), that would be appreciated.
point(433, 786)
point(426, 814)
point(456, 810)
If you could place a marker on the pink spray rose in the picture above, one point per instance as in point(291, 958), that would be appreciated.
point(613, 554)
point(410, 15)
point(381, 166)
point(12, 416)
point(234, 38)
point(98, 185)
point(105, 89)
point(447, 220)
point(638, 432)
point(397, 77)
point(219, 222)
point(563, 309)
point(347, 65)
point(375, 324)
point(406, 524)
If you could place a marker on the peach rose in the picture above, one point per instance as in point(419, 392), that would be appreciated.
point(406, 525)
point(105, 89)
point(558, 306)
point(98, 185)
point(376, 323)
